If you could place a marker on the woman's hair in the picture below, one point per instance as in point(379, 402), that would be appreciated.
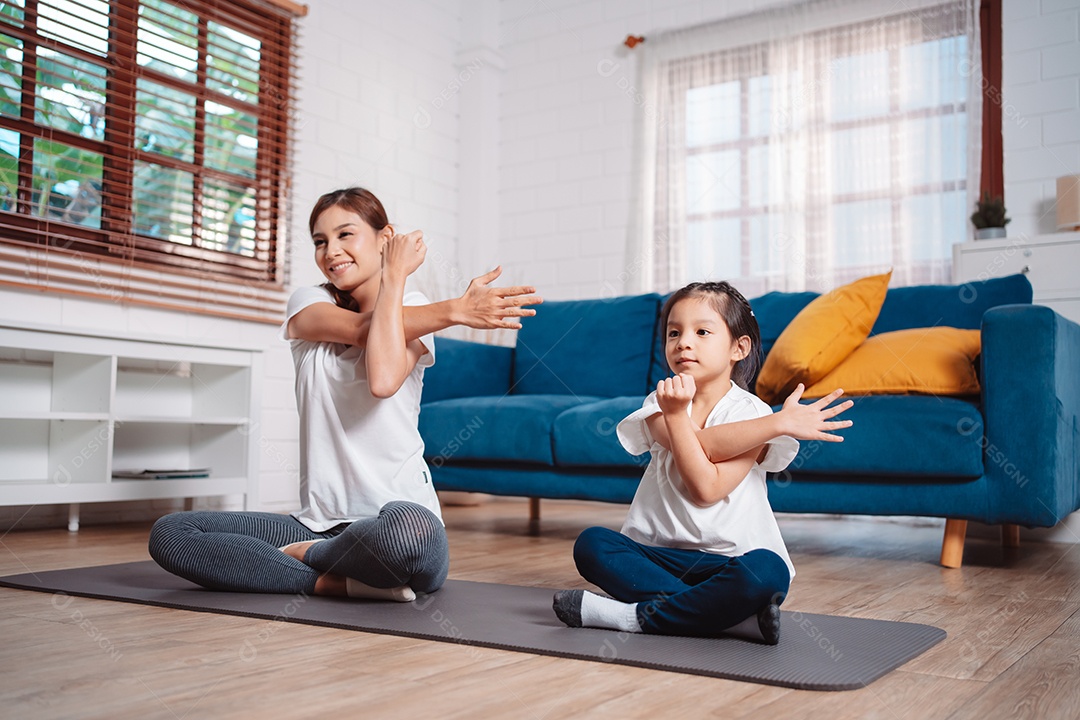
point(736, 313)
point(363, 203)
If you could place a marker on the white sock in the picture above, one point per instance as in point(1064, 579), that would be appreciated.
point(357, 589)
point(603, 612)
point(748, 629)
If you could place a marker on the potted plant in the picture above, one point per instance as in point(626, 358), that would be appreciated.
point(989, 217)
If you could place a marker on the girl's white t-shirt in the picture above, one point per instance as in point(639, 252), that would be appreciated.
point(661, 515)
point(357, 452)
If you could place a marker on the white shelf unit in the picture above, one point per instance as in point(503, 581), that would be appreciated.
point(75, 406)
point(1049, 261)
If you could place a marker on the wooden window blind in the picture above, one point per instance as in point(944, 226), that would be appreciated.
point(144, 151)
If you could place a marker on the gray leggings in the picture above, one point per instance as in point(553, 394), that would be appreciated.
point(405, 544)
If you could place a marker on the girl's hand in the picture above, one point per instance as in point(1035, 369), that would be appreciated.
point(675, 393)
point(811, 422)
point(403, 254)
point(487, 308)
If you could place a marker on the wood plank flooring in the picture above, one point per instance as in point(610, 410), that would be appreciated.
point(1013, 651)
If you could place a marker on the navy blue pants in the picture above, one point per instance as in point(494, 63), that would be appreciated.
point(681, 592)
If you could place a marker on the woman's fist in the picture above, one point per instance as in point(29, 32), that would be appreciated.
point(403, 254)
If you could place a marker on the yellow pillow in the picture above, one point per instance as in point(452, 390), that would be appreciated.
point(819, 338)
point(929, 361)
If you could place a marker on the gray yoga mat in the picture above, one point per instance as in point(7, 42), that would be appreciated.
point(816, 652)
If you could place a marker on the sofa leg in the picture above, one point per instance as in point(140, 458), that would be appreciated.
point(952, 547)
point(1010, 536)
point(534, 509)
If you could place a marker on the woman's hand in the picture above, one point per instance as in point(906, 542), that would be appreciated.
point(675, 393)
point(403, 254)
point(487, 308)
point(812, 422)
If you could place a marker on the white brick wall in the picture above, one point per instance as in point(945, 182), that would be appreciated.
point(1040, 107)
point(567, 135)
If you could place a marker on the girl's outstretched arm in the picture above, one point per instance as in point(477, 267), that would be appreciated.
point(481, 306)
point(802, 422)
point(705, 483)
point(390, 356)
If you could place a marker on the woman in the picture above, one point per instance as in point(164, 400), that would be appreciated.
point(370, 524)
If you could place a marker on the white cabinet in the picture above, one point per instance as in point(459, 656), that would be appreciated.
point(1051, 263)
point(76, 408)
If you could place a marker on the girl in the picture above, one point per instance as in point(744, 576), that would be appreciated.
point(700, 552)
point(369, 523)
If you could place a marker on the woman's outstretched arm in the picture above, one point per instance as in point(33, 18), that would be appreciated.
point(481, 306)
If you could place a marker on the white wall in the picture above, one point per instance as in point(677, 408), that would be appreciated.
point(378, 108)
point(569, 105)
point(1040, 107)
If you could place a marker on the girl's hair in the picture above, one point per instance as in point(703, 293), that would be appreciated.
point(736, 314)
point(363, 203)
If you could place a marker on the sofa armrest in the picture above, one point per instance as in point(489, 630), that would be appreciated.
point(467, 369)
point(1031, 398)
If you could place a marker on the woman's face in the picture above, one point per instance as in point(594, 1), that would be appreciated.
point(347, 249)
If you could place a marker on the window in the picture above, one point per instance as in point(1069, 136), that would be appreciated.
point(892, 128)
point(147, 141)
point(806, 161)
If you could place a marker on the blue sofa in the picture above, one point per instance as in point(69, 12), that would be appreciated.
point(538, 420)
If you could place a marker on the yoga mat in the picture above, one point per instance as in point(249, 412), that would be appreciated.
point(816, 652)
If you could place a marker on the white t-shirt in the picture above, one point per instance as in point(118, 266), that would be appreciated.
point(662, 516)
point(357, 452)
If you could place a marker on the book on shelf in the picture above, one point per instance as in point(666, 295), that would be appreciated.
point(168, 474)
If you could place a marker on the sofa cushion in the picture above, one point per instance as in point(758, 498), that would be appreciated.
point(775, 311)
point(901, 436)
point(819, 338)
point(467, 369)
point(509, 427)
point(586, 347)
point(585, 434)
point(925, 361)
point(960, 306)
point(614, 485)
point(658, 367)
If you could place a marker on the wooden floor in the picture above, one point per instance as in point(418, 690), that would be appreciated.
point(1013, 650)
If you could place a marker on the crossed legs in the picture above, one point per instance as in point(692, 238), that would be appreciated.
point(682, 592)
point(405, 545)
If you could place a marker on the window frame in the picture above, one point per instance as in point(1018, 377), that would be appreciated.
point(117, 239)
point(993, 144)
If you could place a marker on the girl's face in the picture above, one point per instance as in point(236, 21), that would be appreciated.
point(347, 249)
point(699, 342)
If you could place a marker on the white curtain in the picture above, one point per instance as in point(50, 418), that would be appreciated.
point(801, 148)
